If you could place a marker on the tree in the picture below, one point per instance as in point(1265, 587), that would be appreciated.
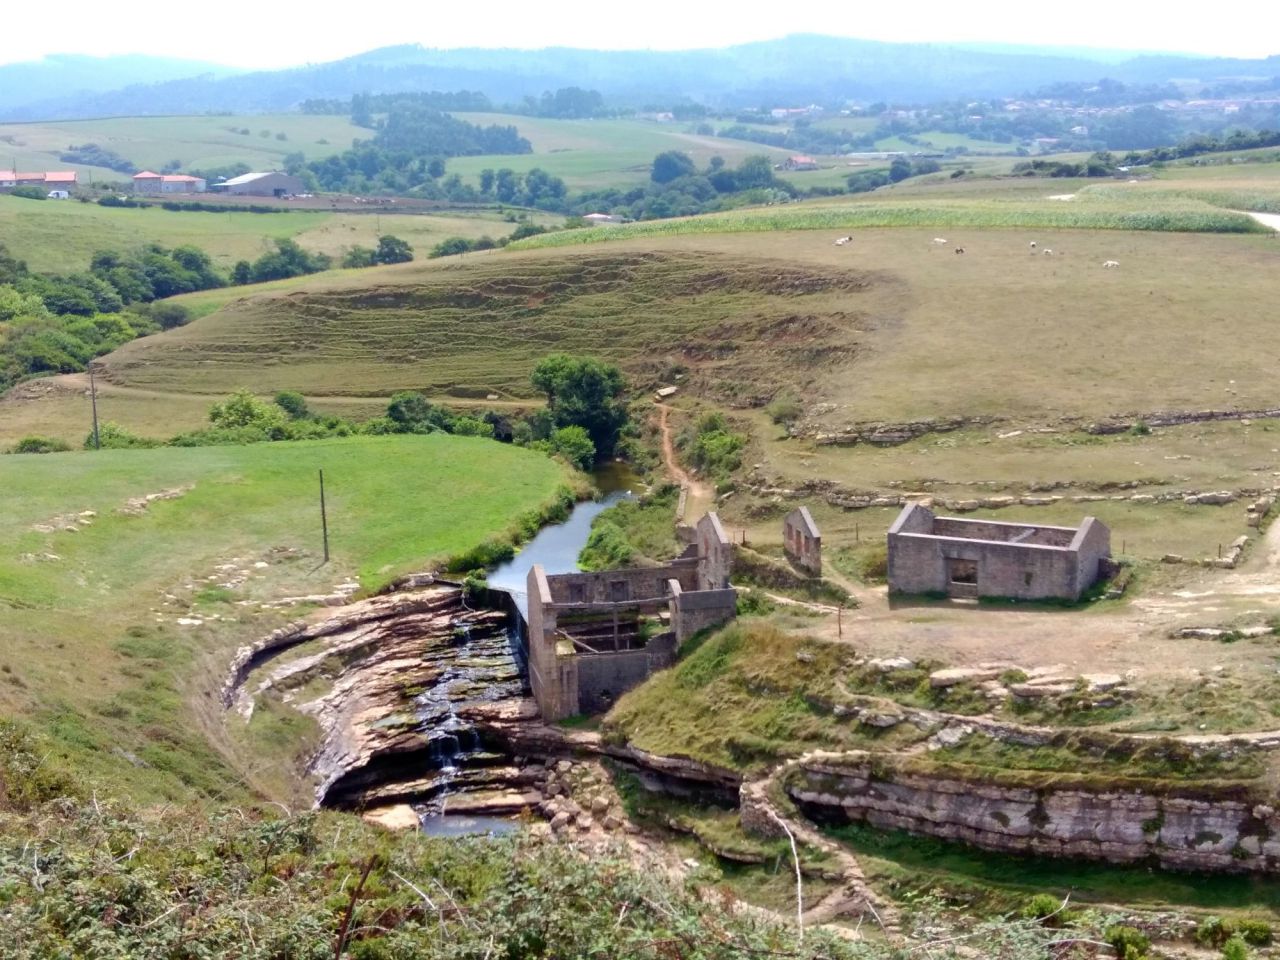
point(435, 168)
point(899, 169)
point(242, 273)
point(584, 392)
point(574, 444)
point(670, 165)
point(392, 250)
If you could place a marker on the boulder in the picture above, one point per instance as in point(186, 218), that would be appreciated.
point(954, 675)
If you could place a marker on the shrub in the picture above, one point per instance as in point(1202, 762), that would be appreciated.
point(38, 444)
point(574, 444)
point(480, 557)
point(1128, 942)
point(785, 408)
point(1217, 931)
point(29, 193)
point(112, 436)
point(170, 315)
point(243, 410)
point(1235, 949)
point(606, 548)
point(28, 775)
point(293, 403)
point(1255, 932)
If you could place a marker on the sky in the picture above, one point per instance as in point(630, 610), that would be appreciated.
point(293, 32)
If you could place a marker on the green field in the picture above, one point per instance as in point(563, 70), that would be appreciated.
point(91, 641)
point(61, 237)
point(197, 142)
point(595, 154)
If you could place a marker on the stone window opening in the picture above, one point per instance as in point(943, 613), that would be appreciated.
point(618, 591)
point(1026, 578)
point(962, 571)
point(577, 593)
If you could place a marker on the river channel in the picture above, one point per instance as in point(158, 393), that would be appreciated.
point(483, 666)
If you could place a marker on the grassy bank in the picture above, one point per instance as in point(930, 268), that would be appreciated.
point(120, 613)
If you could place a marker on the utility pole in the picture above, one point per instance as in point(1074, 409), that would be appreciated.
point(324, 519)
point(93, 399)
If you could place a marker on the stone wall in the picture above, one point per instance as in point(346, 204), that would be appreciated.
point(1210, 827)
point(698, 610)
point(603, 677)
point(801, 541)
point(715, 554)
point(617, 586)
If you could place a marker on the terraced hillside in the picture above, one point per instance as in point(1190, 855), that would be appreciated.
point(742, 322)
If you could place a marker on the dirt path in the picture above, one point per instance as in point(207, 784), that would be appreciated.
point(701, 495)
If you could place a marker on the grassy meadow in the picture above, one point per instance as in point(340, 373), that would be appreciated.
point(94, 587)
point(595, 154)
point(61, 237)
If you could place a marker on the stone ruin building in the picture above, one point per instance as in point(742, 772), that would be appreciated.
point(801, 541)
point(593, 636)
point(983, 558)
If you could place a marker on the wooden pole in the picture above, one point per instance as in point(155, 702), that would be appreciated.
point(839, 619)
point(93, 398)
point(324, 519)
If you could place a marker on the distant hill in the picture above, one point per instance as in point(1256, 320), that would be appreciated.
point(796, 69)
point(72, 78)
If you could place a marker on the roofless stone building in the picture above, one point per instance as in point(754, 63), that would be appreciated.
point(983, 558)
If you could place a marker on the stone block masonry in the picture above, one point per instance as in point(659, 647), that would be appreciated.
point(587, 632)
point(984, 558)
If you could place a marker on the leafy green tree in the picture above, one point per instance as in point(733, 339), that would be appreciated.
point(358, 257)
point(671, 164)
point(170, 315)
point(242, 273)
point(435, 168)
point(449, 247)
point(587, 393)
point(899, 169)
point(486, 180)
point(393, 250)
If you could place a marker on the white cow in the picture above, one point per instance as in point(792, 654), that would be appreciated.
point(939, 240)
point(1048, 252)
point(1111, 263)
point(1033, 244)
point(841, 241)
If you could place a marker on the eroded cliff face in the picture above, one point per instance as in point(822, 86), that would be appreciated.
point(1208, 827)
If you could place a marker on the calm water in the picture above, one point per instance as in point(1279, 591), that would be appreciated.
point(557, 547)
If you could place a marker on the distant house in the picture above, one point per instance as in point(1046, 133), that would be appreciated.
point(270, 184)
point(52, 180)
point(800, 162)
point(148, 182)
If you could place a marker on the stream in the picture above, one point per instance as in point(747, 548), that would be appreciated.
point(481, 666)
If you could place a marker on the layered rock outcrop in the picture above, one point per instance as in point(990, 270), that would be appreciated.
point(1208, 826)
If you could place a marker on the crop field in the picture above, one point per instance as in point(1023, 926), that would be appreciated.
point(594, 154)
point(116, 612)
point(197, 142)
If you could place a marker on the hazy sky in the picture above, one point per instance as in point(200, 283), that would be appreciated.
point(289, 32)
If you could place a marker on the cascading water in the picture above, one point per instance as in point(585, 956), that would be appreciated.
point(478, 666)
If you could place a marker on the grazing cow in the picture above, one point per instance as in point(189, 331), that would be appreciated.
point(1111, 263)
point(841, 241)
point(939, 240)
point(959, 249)
point(1033, 244)
point(1048, 252)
